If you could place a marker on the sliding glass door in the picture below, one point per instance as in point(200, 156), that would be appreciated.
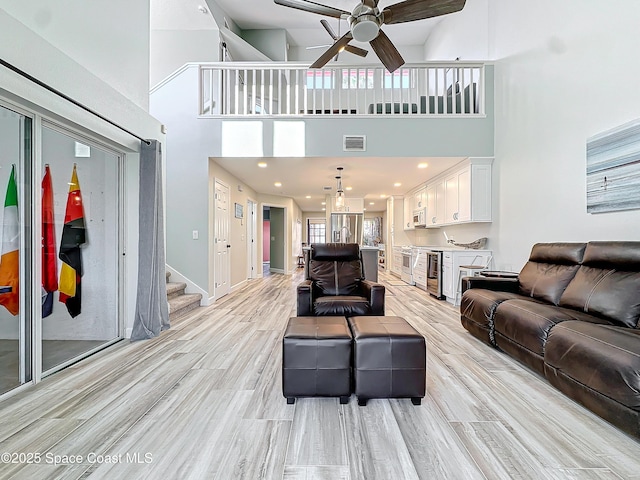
point(80, 247)
point(15, 222)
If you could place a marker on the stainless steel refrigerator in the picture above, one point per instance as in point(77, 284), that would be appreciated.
point(346, 227)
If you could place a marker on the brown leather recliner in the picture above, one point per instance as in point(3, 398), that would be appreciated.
point(334, 283)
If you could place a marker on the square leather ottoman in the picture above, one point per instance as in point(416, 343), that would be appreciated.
point(316, 358)
point(389, 359)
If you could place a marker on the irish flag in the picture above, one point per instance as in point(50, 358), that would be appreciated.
point(73, 236)
point(9, 263)
point(49, 259)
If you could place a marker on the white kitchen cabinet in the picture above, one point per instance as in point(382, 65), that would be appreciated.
point(396, 264)
point(420, 199)
point(419, 256)
point(351, 205)
point(451, 261)
point(408, 213)
point(447, 275)
point(468, 194)
point(435, 200)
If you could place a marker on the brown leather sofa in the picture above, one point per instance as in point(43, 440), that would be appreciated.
point(335, 284)
point(572, 315)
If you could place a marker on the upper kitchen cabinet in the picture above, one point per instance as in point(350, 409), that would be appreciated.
point(420, 198)
point(467, 192)
point(435, 199)
point(351, 205)
point(408, 212)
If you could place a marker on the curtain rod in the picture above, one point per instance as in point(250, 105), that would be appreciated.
point(68, 99)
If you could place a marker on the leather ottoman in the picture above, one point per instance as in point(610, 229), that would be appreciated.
point(389, 359)
point(316, 358)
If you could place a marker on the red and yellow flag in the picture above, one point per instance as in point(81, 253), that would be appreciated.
point(73, 236)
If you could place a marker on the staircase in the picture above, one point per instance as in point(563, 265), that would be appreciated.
point(180, 302)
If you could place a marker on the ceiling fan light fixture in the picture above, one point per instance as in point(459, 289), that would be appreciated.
point(364, 28)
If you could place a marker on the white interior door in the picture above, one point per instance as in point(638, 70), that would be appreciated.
point(222, 262)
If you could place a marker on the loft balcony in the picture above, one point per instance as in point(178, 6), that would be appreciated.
point(267, 89)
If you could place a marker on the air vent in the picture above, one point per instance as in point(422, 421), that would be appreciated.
point(327, 189)
point(354, 143)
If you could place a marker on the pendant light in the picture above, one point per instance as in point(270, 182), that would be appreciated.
point(339, 191)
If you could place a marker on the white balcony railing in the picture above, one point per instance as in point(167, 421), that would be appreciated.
point(254, 89)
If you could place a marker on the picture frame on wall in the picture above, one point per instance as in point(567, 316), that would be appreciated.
point(239, 210)
point(613, 169)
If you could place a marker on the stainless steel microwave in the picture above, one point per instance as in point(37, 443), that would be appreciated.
point(419, 217)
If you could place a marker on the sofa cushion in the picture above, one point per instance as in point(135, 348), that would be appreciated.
point(528, 323)
point(346, 305)
point(479, 305)
point(550, 268)
point(601, 357)
point(608, 283)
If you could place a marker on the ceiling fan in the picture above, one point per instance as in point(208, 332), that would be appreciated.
point(347, 48)
point(366, 19)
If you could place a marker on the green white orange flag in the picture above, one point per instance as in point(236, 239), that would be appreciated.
point(9, 263)
point(73, 236)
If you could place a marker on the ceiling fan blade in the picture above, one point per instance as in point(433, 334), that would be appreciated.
point(387, 52)
point(370, 3)
point(313, 7)
point(332, 51)
point(411, 10)
point(328, 28)
point(356, 50)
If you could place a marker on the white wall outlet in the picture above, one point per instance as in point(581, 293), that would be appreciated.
point(195, 234)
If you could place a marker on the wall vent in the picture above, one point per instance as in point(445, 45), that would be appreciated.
point(354, 143)
point(327, 189)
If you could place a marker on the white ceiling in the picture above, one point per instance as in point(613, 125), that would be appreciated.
point(304, 28)
point(372, 178)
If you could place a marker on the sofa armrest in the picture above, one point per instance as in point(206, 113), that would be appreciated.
point(497, 284)
point(305, 298)
point(374, 292)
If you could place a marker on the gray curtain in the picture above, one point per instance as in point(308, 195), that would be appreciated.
point(152, 311)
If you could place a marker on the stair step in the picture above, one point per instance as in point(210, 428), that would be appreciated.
point(175, 289)
point(183, 303)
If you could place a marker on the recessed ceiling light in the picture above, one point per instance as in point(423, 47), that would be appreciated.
point(323, 203)
point(348, 188)
point(308, 196)
point(323, 209)
point(262, 164)
point(423, 165)
point(364, 209)
point(372, 203)
point(278, 184)
point(382, 196)
point(397, 184)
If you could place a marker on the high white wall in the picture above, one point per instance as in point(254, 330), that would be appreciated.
point(111, 39)
point(563, 72)
point(170, 49)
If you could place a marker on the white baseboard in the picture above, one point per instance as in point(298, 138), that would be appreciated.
point(191, 287)
point(277, 270)
point(238, 286)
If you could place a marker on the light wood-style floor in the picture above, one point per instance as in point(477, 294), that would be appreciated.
point(204, 401)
